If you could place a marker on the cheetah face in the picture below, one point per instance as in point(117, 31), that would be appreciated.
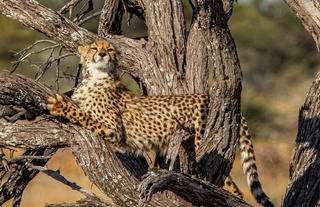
point(99, 58)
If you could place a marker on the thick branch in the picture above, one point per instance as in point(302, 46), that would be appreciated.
point(17, 90)
point(304, 184)
point(42, 134)
point(111, 18)
point(198, 192)
point(217, 150)
point(166, 47)
point(92, 153)
point(197, 59)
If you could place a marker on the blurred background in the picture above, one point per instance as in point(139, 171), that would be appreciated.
point(279, 62)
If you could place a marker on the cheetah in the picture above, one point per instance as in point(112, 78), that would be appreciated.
point(140, 124)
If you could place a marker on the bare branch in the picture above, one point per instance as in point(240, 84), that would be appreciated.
point(84, 12)
point(80, 203)
point(57, 176)
point(221, 134)
point(88, 18)
point(21, 175)
point(24, 56)
point(41, 134)
point(197, 59)
point(170, 14)
point(17, 90)
point(69, 7)
point(49, 62)
point(196, 191)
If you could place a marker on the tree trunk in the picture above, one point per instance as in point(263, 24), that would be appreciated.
point(169, 61)
point(304, 183)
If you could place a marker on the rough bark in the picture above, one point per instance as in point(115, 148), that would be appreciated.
point(111, 18)
point(90, 151)
point(304, 183)
point(188, 188)
point(41, 134)
point(168, 62)
point(223, 121)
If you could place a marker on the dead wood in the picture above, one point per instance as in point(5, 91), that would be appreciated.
point(304, 182)
point(169, 61)
point(21, 175)
point(196, 191)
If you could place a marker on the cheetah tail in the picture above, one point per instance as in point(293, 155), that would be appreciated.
point(249, 165)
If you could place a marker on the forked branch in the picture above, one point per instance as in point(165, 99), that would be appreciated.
point(196, 191)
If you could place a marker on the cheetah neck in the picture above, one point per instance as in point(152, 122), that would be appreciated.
point(99, 70)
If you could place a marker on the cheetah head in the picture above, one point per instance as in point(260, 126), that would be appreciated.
point(98, 59)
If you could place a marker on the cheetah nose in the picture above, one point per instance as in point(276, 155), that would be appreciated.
point(102, 54)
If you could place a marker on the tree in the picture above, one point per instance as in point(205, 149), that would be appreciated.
point(169, 60)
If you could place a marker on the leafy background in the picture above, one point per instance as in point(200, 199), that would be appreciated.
point(279, 61)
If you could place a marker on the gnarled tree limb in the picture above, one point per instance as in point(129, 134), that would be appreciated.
point(196, 191)
point(304, 184)
point(21, 175)
point(159, 62)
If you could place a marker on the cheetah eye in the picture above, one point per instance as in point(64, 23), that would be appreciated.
point(110, 49)
point(94, 48)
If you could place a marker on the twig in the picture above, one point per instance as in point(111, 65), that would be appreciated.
point(83, 13)
point(22, 53)
point(76, 82)
point(57, 176)
point(20, 175)
point(58, 70)
point(47, 64)
point(69, 7)
point(24, 157)
point(31, 46)
point(89, 18)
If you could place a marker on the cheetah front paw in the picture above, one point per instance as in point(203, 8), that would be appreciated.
point(56, 105)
